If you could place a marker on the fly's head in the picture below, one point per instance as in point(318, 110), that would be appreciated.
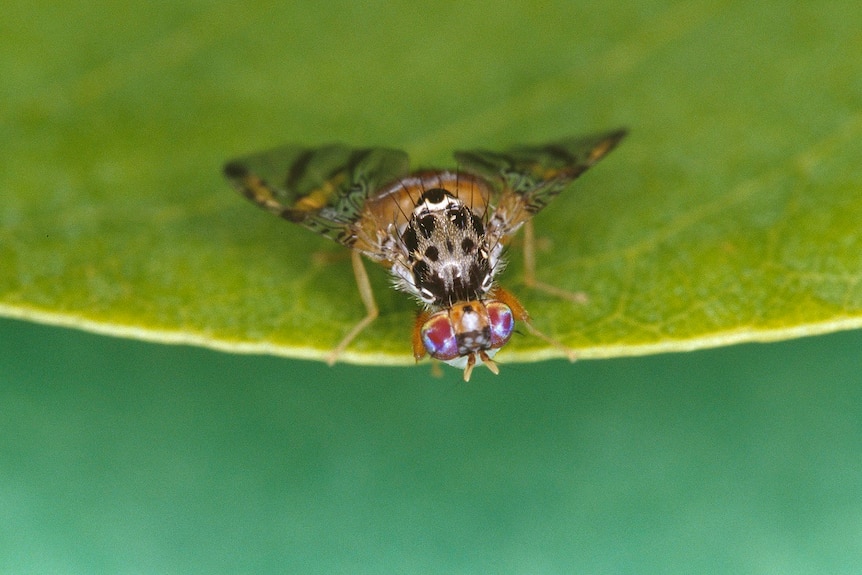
point(466, 334)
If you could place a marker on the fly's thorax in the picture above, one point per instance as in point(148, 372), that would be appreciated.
point(447, 256)
point(387, 214)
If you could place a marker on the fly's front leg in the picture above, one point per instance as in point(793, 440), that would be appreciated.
point(530, 270)
point(371, 311)
point(520, 314)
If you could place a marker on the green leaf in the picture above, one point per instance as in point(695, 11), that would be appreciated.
point(730, 213)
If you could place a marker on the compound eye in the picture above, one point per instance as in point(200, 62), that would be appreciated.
point(501, 322)
point(438, 337)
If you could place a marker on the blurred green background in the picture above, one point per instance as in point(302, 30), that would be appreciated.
point(125, 457)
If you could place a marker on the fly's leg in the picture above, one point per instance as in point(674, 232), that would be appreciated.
point(371, 311)
point(530, 270)
point(521, 314)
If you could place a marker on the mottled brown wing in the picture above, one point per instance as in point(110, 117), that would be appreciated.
point(528, 177)
point(322, 189)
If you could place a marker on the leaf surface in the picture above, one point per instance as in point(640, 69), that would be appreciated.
point(730, 213)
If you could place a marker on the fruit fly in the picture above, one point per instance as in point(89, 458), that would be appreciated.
point(440, 233)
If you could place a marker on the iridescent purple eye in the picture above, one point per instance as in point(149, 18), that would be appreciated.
point(501, 321)
point(438, 337)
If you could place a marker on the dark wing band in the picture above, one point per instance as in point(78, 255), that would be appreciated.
point(537, 174)
point(322, 189)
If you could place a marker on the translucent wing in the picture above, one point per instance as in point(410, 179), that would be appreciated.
point(322, 189)
point(528, 177)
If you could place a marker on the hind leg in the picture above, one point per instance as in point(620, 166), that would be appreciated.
point(530, 270)
point(371, 311)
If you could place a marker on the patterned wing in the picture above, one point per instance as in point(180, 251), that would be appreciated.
point(322, 189)
point(528, 177)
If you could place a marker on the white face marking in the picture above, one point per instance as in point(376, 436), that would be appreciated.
point(470, 321)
